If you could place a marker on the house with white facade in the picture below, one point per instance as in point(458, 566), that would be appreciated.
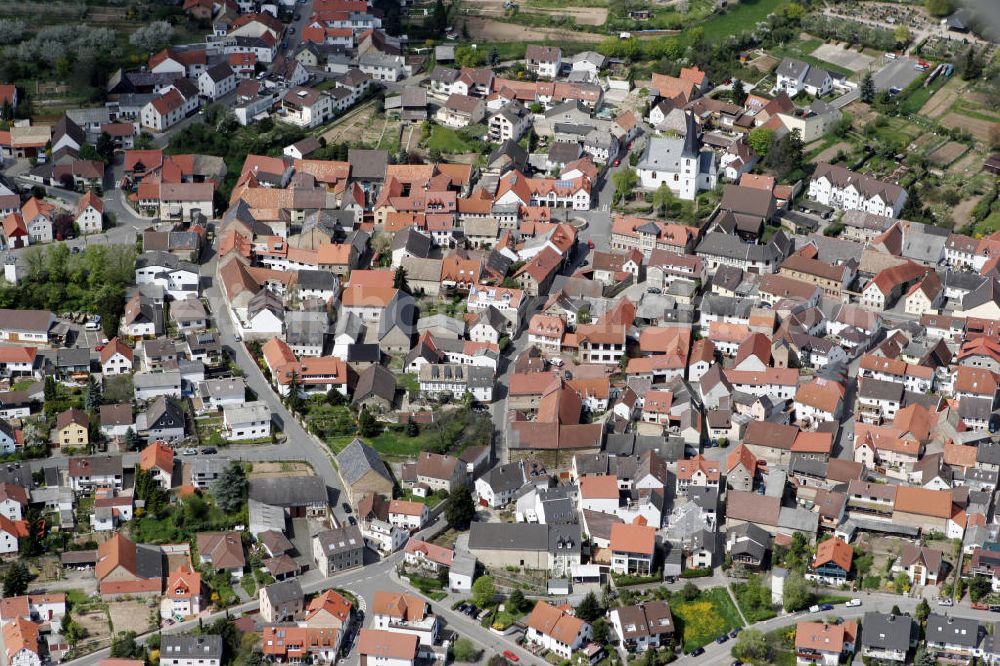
point(836, 186)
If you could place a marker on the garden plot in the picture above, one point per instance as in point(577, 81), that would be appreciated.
point(941, 101)
point(948, 153)
point(130, 616)
point(977, 127)
point(841, 56)
point(266, 470)
point(491, 30)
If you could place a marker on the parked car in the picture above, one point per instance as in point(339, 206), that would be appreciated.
point(189, 452)
point(697, 651)
point(510, 656)
point(734, 633)
point(722, 639)
point(944, 601)
point(853, 602)
point(346, 507)
point(826, 607)
point(209, 450)
point(814, 609)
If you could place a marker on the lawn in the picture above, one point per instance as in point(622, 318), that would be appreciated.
point(706, 618)
point(915, 100)
point(740, 18)
point(391, 442)
point(449, 140)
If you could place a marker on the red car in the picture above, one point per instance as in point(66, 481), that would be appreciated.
point(99, 348)
point(590, 244)
point(617, 162)
point(510, 656)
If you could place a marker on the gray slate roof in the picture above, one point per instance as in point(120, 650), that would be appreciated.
point(357, 459)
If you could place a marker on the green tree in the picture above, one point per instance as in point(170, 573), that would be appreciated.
point(972, 67)
point(979, 587)
point(902, 35)
point(589, 608)
point(752, 646)
point(483, 591)
point(867, 92)
point(294, 399)
point(72, 630)
point(922, 611)
point(367, 425)
point(131, 440)
point(124, 646)
point(92, 397)
point(105, 147)
point(895, 610)
point(399, 278)
point(786, 155)
point(516, 600)
point(229, 490)
point(494, 58)
point(690, 591)
point(924, 658)
point(460, 509)
point(624, 181)
point(760, 140)
point(464, 650)
point(663, 199)
point(15, 581)
point(797, 593)
point(901, 582)
point(600, 631)
point(439, 18)
point(31, 545)
point(739, 95)
point(939, 7)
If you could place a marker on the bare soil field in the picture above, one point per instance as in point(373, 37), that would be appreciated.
point(263, 470)
point(764, 63)
point(948, 153)
point(962, 213)
point(971, 164)
point(129, 616)
point(360, 124)
point(491, 30)
point(941, 101)
point(95, 623)
point(831, 152)
point(582, 15)
point(977, 127)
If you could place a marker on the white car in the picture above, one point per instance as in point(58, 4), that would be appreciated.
point(189, 452)
point(945, 601)
point(853, 602)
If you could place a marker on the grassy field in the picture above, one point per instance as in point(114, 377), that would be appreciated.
point(706, 618)
point(740, 18)
point(449, 140)
point(389, 443)
point(916, 100)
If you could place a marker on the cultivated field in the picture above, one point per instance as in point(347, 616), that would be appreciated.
point(948, 153)
point(264, 470)
point(490, 30)
point(977, 127)
point(941, 101)
point(829, 153)
point(360, 125)
point(582, 15)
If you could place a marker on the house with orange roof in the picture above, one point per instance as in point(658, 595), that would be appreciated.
point(628, 233)
point(405, 614)
point(819, 401)
point(21, 643)
point(408, 515)
point(546, 332)
point(929, 510)
point(633, 548)
point(11, 532)
point(557, 629)
point(38, 216)
point(824, 644)
point(832, 564)
point(290, 644)
point(184, 595)
point(387, 647)
point(313, 374)
point(780, 382)
point(536, 276)
point(89, 213)
point(328, 609)
point(741, 468)
point(116, 358)
point(158, 460)
point(600, 492)
point(126, 568)
point(428, 555)
point(600, 343)
point(698, 472)
point(889, 284)
point(657, 405)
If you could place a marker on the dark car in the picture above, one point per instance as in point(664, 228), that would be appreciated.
point(296, 17)
point(346, 507)
point(209, 450)
point(722, 639)
point(826, 607)
point(697, 651)
point(734, 633)
point(351, 521)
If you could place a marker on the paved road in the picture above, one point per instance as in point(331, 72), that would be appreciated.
point(716, 654)
point(299, 445)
